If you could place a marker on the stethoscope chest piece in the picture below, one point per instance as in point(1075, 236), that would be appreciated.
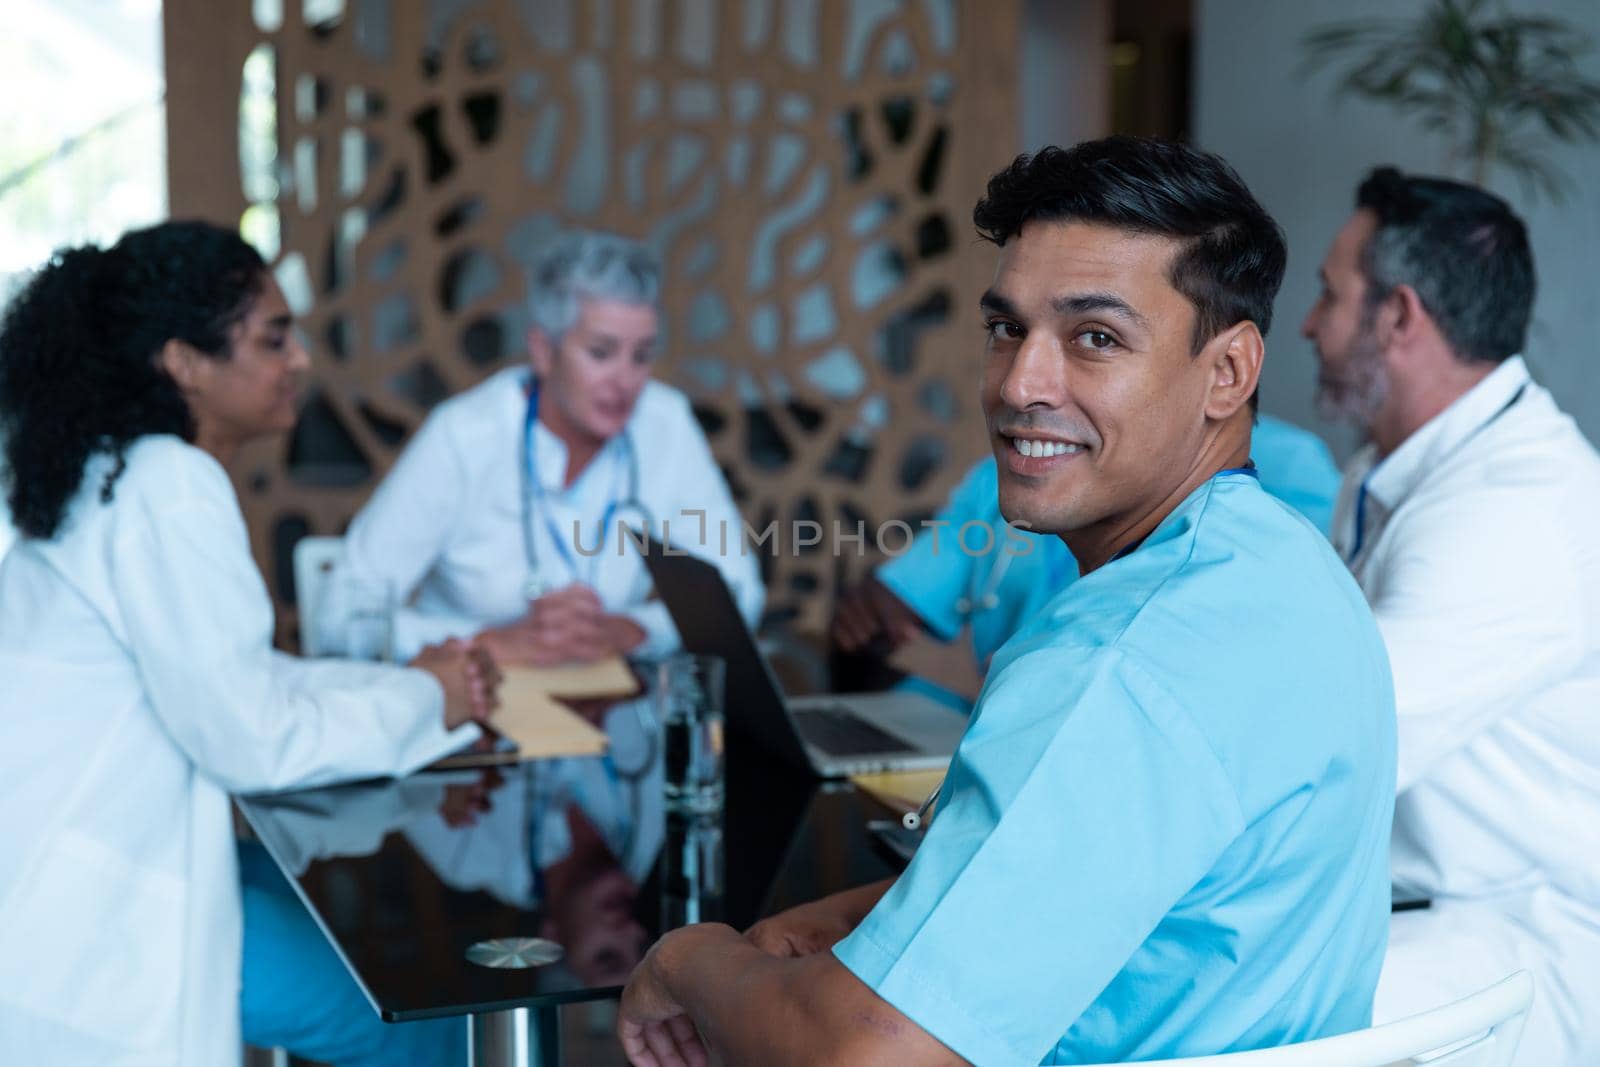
point(968, 606)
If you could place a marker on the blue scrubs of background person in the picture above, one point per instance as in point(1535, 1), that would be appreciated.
point(947, 586)
point(1223, 682)
point(1297, 468)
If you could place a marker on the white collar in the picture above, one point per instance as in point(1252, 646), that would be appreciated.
point(1395, 477)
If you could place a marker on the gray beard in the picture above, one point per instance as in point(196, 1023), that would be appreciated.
point(1363, 385)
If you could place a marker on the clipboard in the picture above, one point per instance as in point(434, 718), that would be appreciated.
point(900, 791)
point(533, 721)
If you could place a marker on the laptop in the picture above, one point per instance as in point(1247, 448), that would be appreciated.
point(833, 735)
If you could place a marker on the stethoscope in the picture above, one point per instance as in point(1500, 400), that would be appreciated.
point(987, 598)
point(630, 780)
point(623, 828)
point(533, 494)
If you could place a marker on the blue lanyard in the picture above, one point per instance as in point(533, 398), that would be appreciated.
point(1361, 516)
point(536, 494)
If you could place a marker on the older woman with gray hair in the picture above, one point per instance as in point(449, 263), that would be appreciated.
point(502, 519)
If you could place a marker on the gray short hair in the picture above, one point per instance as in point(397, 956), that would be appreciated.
point(588, 264)
point(1462, 249)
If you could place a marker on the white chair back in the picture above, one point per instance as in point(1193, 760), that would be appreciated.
point(314, 561)
point(1477, 1031)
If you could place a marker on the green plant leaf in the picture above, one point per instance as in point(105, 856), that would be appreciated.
point(1493, 83)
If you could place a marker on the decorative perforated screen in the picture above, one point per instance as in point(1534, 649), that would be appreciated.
point(806, 168)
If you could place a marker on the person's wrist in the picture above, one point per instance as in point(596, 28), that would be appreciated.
point(676, 948)
point(489, 639)
point(451, 706)
point(432, 672)
point(623, 634)
point(457, 696)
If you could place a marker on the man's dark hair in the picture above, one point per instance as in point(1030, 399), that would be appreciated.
point(1232, 256)
point(1462, 249)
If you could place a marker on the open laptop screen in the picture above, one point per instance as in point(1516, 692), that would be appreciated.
point(708, 621)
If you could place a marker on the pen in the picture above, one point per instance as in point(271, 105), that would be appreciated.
point(913, 820)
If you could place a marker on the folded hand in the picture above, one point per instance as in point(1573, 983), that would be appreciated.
point(469, 677)
point(567, 625)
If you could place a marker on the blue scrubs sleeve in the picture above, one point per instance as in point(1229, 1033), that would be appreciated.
point(935, 572)
point(1082, 804)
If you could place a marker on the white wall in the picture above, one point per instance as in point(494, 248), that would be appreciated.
point(1064, 82)
point(1303, 156)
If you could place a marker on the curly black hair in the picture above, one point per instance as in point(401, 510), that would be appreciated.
point(79, 348)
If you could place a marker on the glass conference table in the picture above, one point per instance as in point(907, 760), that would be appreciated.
point(502, 893)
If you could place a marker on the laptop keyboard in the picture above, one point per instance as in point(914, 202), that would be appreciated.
point(839, 732)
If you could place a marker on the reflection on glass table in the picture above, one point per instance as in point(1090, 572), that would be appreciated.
point(555, 849)
point(572, 864)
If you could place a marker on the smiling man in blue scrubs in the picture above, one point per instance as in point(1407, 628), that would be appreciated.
point(1165, 832)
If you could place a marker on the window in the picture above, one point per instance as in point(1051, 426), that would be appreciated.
point(83, 144)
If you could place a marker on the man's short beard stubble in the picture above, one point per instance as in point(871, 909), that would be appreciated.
point(1362, 385)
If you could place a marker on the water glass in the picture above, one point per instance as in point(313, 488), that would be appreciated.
point(692, 871)
point(688, 694)
point(357, 620)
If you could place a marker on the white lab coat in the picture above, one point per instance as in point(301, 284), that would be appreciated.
point(444, 531)
point(141, 689)
point(1482, 566)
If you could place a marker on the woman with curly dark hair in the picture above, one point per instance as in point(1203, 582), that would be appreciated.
point(141, 687)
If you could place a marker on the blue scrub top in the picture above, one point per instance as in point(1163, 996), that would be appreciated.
point(937, 572)
point(1165, 832)
point(1297, 468)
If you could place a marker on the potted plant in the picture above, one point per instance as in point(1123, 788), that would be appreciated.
point(1498, 86)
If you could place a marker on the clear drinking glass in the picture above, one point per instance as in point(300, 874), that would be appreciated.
point(688, 694)
point(692, 869)
point(358, 618)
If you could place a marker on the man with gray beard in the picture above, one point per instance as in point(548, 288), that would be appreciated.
point(1469, 521)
